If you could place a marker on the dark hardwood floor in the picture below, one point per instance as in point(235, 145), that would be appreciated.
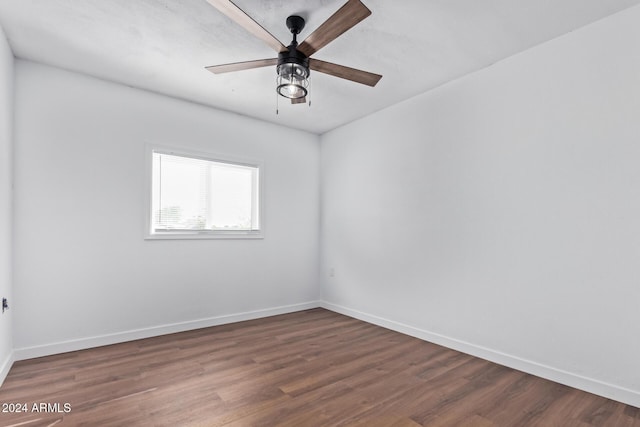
point(311, 368)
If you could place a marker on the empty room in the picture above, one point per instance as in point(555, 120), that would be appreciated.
point(320, 213)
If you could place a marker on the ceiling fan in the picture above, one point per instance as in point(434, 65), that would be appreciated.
point(293, 62)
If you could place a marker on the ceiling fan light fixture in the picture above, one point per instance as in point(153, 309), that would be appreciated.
point(293, 80)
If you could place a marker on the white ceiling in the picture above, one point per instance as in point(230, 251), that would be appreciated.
point(164, 45)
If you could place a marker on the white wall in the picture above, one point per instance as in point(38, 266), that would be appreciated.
point(500, 214)
point(6, 200)
point(83, 273)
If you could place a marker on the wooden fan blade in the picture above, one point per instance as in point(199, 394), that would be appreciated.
point(299, 100)
point(345, 18)
point(238, 66)
point(245, 21)
point(358, 76)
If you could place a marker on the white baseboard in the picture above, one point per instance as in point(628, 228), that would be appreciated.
point(119, 337)
point(610, 391)
point(6, 367)
point(590, 385)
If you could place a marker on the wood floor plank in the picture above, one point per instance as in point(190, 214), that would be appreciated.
point(310, 368)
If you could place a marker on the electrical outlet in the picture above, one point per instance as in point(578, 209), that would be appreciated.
point(5, 304)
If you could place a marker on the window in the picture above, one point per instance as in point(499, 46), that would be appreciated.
point(203, 196)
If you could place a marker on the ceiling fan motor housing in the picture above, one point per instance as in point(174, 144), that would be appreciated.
point(293, 56)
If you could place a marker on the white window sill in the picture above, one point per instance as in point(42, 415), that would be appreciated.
point(205, 235)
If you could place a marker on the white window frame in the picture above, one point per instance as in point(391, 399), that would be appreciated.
point(150, 234)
